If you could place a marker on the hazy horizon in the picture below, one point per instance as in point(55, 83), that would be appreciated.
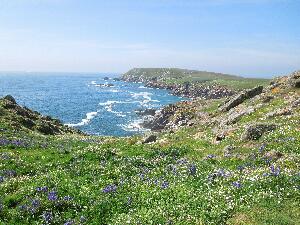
point(251, 38)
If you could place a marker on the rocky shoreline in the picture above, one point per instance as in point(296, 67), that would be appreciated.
point(186, 113)
point(187, 89)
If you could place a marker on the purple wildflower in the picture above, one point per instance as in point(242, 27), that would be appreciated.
point(23, 207)
point(210, 156)
point(67, 198)
point(274, 171)
point(1, 179)
point(192, 169)
point(52, 196)
point(237, 184)
point(110, 188)
point(47, 216)
point(262, 148)
point(42, 189)
point(69, 222)
point(35, 203)
point(165, 185)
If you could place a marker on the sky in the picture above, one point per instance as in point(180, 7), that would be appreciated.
point(257, 38)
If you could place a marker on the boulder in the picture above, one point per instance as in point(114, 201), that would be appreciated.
point(149, 139)
point(146, 112)
point(10, 98)
point(280, 112)
point(240, 98)
point(255, 131)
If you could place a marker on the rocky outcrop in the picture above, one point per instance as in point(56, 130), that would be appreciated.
point(149, 139)
point(255, 131)
point(240, 98)
point(170, 117)
point(295, 80)
point(22, 117)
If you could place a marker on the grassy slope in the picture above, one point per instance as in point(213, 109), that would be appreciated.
point(175, 75)
point(184, 178)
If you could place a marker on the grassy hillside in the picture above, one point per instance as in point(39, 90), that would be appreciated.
point(215, 171)
point(180, 76)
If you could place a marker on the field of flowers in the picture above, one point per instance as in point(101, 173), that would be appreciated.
point(186, 178)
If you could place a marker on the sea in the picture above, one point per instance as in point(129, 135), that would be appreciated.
point(89, 102)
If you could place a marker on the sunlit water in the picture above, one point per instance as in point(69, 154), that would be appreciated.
point(80, 101)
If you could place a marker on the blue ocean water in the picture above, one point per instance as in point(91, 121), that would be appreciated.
point(79, 100)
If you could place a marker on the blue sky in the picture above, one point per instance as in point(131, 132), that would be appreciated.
point(245, 37)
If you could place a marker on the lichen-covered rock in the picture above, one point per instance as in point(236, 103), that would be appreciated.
point(240, 98)
point(255, 131)
point(149, 139)
point(279, 112)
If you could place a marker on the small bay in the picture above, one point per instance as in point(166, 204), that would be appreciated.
point(94, 103)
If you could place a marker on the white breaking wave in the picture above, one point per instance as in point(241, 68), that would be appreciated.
point(135, 125)
point(93, 82)
point(146, 96)
point(108, 103)
point(89, 117)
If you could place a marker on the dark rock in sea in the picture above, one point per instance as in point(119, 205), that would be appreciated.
point(10, 98)
point(117, 79)
point(106, 78)
point(240, 98)
point(146, 112)
point(149, 139)
point(255, 131)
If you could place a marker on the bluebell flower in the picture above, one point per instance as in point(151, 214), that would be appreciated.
point(192, 169)
point(182, 161)
point(210, 156)
point(67, 198)
point(110, 188)
point(237, 184)
point(240, 167)
point(262, 148)
point(69, 222)
point(52, 196)
point(35, 203)
point(47, 216)
point(23, 207)
point(42, 189)
point(274, 171)
point(1, 179)
point(165, 185)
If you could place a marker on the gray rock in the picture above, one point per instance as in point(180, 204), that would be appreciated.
point(240, 98)
point(255, 131)
point(146, 112)
point(279, 112)
point(10, 98)
point(149, 139)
